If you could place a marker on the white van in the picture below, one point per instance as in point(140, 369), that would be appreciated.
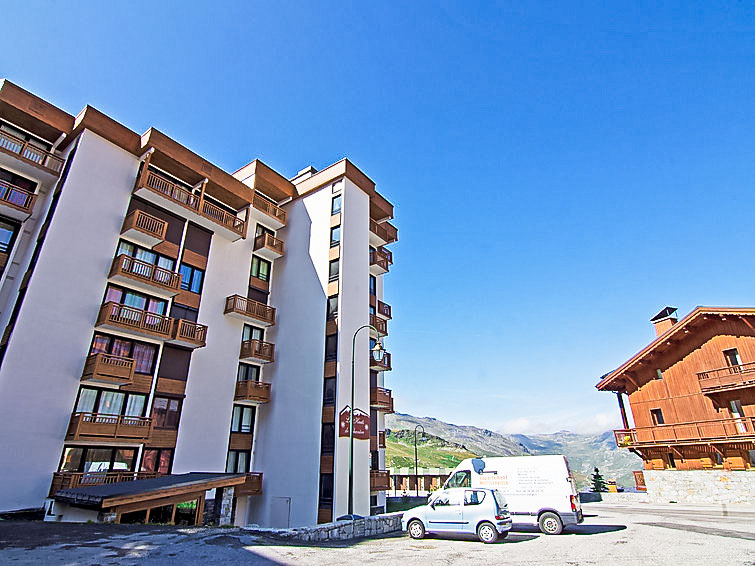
point(540, 490)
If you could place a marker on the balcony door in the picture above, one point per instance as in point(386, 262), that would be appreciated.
point(733, 360)
point(738, 414)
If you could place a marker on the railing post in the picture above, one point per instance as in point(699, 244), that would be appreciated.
point(142, 178)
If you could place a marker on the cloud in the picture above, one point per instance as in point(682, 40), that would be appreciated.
point(574, 421)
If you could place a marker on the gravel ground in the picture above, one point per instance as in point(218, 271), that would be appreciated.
point(610, 535)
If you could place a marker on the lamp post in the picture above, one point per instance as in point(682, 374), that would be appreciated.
point(377, 353)
point(416, 475)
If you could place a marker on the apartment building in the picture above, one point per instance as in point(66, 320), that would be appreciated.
point(692, 397)
point(183, 332)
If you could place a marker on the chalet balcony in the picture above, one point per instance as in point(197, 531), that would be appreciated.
point(114, 316)
point(382, 365)
point(177, 199)
point(29, 154)
point(382, 234)
point(378, 441)
point(727, 379)
point(15, 202)
point(189, 334)
point(381, 399)
point(383, 310)
point(144, 228)
point(380, 261)
point(248, 309)
point(101, 427)
point(252, 485)
point(257, 351)
point(145, 276)
point(380, 480)
point(252, 392)
point(267, 213)
point(106, 369)
point(268, 246)
point(380, 324)
point(720, 430)
point(70, 480)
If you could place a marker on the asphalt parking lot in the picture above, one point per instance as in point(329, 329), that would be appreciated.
point(610, 535)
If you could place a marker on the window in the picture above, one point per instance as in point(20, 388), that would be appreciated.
point(186, 313)
point(248, 372)
point(174, 363)
point(238, 462)
point(260, 230)
point(328, 439)
point(135, 300)
point(473, 497)
point(8, 232)
point(96, 459)
point(331, 347)
point(252, 333)
point(335, 207)
point(657, 416)
point(144, 354)
point(145, 255)
point(33, 141)
point(373, 285)
point(333, 274)
point(460, 479)
point(671, 460)
point(257, 295)
point(18, 181)
point(326, 491)
point(242, 419)
point(658, 374)
point(732, 359)
point(260, 268)
point(329, 392)
point(332, 310)
point(335, 236)
point(109, 402)
point(166, 412)
point(157, 460)
point(191, 278)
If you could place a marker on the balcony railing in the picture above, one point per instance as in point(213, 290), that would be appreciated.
point(70, 480)
point(381, 399)
point(29, 152)
point(723, 379)
point(114, 427)
point(268, 243)
point(145, 227)
point(257, 350)
point(384, 309)
point(196, 203)
point(146, 273)
point(380, 480)
point(16, 197)
point(189, 333)
point(254, 391)
point(379, 261)
point(136, 320)
point(263, 205)
point(688, 433)
point(250, 308)
point(380, 324)
point(385, 231)
point(108, 368)
point(382, 365)
point(252, 485)
point(381, 439)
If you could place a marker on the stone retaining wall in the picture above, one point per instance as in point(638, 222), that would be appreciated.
point(700, 486)
point(337, 530)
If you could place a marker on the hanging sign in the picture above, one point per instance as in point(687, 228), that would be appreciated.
point(361, 424)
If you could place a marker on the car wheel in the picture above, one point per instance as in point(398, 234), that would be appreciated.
point(486, 533)
point(550, 524)
point(416, 529)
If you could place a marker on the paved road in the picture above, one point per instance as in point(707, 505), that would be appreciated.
point(610, 536)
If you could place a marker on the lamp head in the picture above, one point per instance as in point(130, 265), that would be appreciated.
point(377, 352)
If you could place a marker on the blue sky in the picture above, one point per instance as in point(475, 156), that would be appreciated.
point(560, 171)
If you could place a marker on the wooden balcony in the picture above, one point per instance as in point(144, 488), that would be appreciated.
point(15, 202)
point(268, 246)
point(720, 430)
point(252, 485)
point(189, 334)
point(177, 199)
point(257, 351)
point(378, 441)
point(381, 399)
point(266, 213)
point(727, 379)
point(379, 261)
point(381, 439)
point(107, 369)
point(248, 309)
point(98, 427)
point(380, 324)
point(114, 316)
point(382, 365)
point(31, 154)
point(382, 234)
point(70, 480)
point(383, 310)
point(380, 480)
point(144, 228)
point(252, 392)
point(145, 276)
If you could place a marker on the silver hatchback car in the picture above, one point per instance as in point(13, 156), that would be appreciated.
point(478, 511)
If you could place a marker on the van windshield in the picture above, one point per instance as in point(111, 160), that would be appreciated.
point(460, 479)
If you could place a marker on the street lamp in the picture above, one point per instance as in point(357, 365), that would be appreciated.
point(377, 353)
point(416, 475)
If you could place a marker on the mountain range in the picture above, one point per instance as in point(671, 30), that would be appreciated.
point(447, 444)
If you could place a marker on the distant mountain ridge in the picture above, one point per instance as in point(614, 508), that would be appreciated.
point(584, 451)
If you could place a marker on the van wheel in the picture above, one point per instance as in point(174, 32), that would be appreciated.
point(416, 529)
point(486, 533)
point(550, 524)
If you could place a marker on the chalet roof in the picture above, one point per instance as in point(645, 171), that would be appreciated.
point(618, 379)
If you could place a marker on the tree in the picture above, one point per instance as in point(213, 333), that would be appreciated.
point(598, 483)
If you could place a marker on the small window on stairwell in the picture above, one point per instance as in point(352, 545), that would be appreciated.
point(671, 461)
point(732, 359)
point(329, 392)
point(336, 205)
point(657, 416)
point(331, 347)
point(333, 272)
point(658, 374)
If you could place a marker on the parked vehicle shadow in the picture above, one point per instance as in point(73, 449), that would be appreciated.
point(573, 530)
point(511, 538)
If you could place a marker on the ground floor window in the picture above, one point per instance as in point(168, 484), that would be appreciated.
point(96, 459)
point(157, 460)
point(238, 461)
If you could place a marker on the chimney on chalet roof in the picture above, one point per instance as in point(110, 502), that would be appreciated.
point(664, 320)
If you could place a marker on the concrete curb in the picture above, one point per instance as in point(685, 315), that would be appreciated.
point(337, 530)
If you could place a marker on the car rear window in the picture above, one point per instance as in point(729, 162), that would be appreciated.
point(500, 499)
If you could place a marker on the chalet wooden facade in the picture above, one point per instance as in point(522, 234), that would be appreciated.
point(691, 392)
